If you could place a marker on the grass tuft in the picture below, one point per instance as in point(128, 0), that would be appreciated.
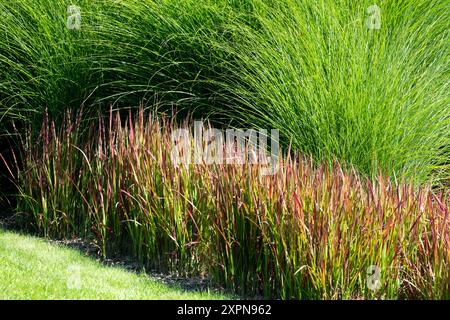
point(309, 231)
point(334, 88)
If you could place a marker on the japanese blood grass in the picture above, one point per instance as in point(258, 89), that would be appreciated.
point(374, 98)
point(306, 232)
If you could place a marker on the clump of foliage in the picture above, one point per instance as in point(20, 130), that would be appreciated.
point(336, 89)
point(305, 232)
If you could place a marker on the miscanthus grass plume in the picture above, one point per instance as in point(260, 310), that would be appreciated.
point(309, 231)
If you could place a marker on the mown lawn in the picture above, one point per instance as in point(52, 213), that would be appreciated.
point(31, 268)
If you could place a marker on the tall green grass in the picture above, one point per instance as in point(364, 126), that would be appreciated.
point(305, 232)
point(377, 99)
point(126, 52)
point(374, 98)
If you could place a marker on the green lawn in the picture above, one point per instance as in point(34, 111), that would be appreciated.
point(31, 268)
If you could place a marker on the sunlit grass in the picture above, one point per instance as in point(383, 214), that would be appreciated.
point(31, 268)
point(377, 99)
point(309, 231)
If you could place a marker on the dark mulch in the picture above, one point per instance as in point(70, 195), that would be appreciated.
point(91, 249)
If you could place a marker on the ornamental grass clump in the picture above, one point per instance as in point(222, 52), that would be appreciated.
point(309, 231)
point(361, 82)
